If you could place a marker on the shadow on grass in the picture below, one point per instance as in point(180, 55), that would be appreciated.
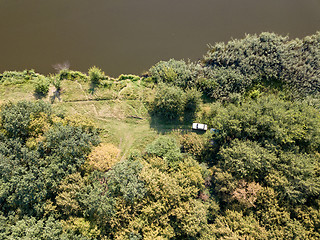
point(39, 96)
point(93, 87)
point(184, 125)
point(56, 95)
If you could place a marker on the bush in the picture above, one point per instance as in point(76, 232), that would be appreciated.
point(96, 75)
point(162, 146)
point(221, 82)
point(302, 70)
point(103, 157)
point(67, 74)
point(169, 102)
point(17, 119)
point(256, 57)
point(130, 92)
point(57, 83)
point(178, 73)
point(13, 77)
point(193, 144)
point(270, 60)
point(193, 100)
point(128, 76)
point(41, 86)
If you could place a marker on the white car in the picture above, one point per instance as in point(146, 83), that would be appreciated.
point(199, 126)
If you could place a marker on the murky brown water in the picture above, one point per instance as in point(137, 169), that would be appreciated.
point(128, 36)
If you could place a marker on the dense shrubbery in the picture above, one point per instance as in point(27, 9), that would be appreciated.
point(267, 146)
point(13, 77)
point(67, 74)
point(178, 73)
point(171, 102)
point(266, 61)
point(271, 59)
point(36, 155)
point(128, 76)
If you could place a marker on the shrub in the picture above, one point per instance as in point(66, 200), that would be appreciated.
point(256, 56)
point(130, 92)
point(221, 82)
point(193, 144)
point(128, 76)
point(271, 60)
point(302, 70)
point(67, 74)
point(118, 86)
point(96, 75)
point(13, 77)
point(169, 102)
point(16, 119)
point(41, 86)
point(174, 72)
point(162, 146)
point(193, 100)
point(57, 83)
point(103, 157)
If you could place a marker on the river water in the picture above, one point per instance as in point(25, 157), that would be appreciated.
point(129, 36)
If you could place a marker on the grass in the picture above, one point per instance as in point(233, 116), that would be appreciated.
point(119, 111)
point(117, 121)
point(16, 92)
point(123, 122)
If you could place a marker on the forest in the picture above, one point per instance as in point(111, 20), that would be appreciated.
point(87, 156)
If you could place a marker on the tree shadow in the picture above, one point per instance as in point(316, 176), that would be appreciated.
point(39, 96)
point(184, 124)
point(162, 125)
point(56, 95)
point(93, 87)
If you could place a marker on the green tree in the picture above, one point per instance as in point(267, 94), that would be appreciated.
point(169, 102)
point(96, 75)
point(174, 72)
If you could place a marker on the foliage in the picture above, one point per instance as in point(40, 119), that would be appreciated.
point(302, 64)
point(193, 144)
point(193, 100)
point(223, 82)
point(274, 123)
point(66, 74)
point(178, 73)
point(81, 227)
point(128, 76)
point(236, 226)
point(57, 83)
point(103, 157)
point(265, 162)
point(268, 59)
point(257, 57)
point(123, 179)
point(162, 146)
point(169, 102)
point(130, 92)
point(29, 175)
point(13, 77)
point(17, 120)
point(30, 228)
point(96, 75)
point(41, 86)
